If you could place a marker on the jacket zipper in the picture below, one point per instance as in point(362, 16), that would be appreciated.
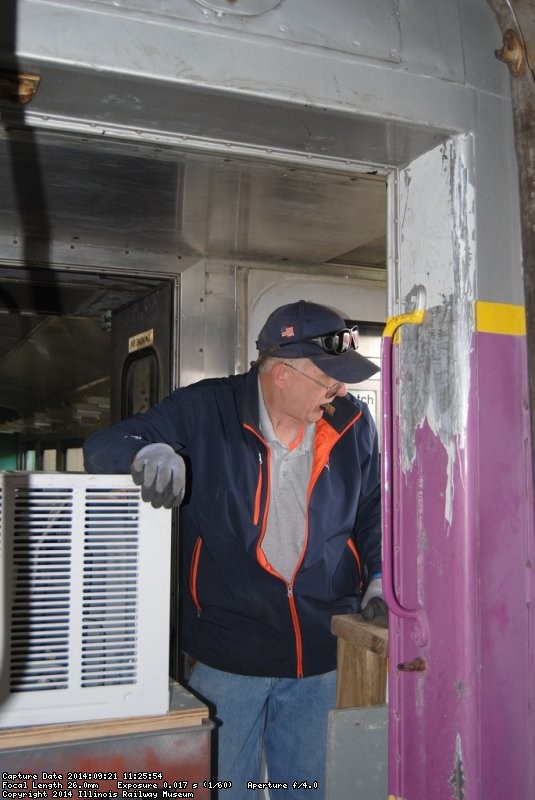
point(267, 566)
point(352, 546)
point(193, 574)
point(258, 494)
point(297, 630)
point(290, 587)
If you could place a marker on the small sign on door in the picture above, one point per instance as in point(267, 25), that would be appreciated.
point(140, 340)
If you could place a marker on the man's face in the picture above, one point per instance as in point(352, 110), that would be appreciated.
point(307, 390)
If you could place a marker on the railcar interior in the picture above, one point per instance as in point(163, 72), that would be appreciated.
point(304, 223)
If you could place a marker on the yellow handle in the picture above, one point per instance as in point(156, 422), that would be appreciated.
point(413, 317)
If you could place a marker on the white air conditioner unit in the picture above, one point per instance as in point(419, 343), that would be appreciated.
point(84, 571)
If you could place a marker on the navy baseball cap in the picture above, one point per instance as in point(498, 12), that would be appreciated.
point(310, 330)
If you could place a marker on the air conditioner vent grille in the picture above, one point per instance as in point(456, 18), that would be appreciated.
point(110, 593)
point(42, 549)
point(84, 582)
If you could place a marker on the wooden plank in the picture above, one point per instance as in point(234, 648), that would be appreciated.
point(352, 628)
point(54, 734)
point(362, 662)
point(361, 677)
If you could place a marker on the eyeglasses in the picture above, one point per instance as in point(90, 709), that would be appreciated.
point(330, 391)
point(335, 342)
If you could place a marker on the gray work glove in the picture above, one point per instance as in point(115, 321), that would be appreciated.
point(373, 607)
point(161, 473)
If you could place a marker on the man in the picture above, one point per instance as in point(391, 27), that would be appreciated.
point(277, 474)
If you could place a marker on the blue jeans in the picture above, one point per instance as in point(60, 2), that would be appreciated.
point(284, 719)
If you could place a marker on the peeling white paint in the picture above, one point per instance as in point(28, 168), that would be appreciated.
point(436, 250)
point(457, 779)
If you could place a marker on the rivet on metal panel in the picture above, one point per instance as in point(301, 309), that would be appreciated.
point(512, 53)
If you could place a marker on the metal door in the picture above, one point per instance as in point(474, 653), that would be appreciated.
point(141, 337)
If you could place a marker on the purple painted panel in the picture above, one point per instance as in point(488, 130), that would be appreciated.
point(506, 560)
point(436, 744)
point(461, 671)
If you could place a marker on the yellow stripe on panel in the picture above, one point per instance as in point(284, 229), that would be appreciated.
point(500, 318)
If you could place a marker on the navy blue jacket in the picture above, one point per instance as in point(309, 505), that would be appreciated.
point(236, 614)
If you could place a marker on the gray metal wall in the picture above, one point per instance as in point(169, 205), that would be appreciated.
point(373, 81)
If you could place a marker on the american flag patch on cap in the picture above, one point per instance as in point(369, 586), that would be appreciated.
point(287, 331)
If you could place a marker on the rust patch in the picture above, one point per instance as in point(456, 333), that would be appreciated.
point(512, 53)
point(416, 665)
point(19, 88)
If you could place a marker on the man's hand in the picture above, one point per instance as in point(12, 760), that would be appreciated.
point(161, 473)
point(373, 607)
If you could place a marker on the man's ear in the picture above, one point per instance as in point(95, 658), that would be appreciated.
point(279, 374)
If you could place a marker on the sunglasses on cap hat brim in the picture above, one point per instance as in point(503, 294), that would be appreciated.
point(333, 343)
